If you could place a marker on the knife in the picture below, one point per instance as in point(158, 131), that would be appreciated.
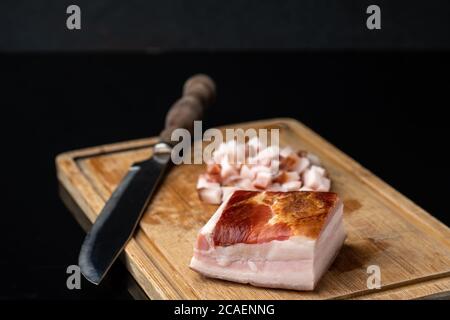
point(121, 214)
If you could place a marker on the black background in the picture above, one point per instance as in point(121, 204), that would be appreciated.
point(386, 110)
point(232, 24)
point(114, 80)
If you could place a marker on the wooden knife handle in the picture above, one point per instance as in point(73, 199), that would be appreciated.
point(199, 92)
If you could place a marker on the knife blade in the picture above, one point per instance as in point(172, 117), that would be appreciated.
point(121, 214)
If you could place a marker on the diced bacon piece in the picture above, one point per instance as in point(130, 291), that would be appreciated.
point(261, 167)
point(312, 177)
point(313, 159)
point(291, 186)
point(247, 173)
point(245, 184)
point(254, 145)
point(263, 179)
point(258, 169)
point(233, 150)
point(218, 157)
point(227, 169)
point(213, 177)
point(285, 152)
point(274, 166)
point(302, 164)
point(264, 161)
point(231, 180)
point(325, 185)
point(211, 195)
point(292, 176)
point(252, 161)
point(204, 182)
point(319, 170)
point(271, 239)
point(275, 187)
point(302, 153)
point(213, 168)
point(268, 154)
point(281, 177)
point(220, 153)
point(287, 176)
point(290, 162)
point(237, 155)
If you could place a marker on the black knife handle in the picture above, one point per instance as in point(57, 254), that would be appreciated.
point(199, 92)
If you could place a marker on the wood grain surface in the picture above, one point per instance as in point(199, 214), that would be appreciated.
point(384, 228)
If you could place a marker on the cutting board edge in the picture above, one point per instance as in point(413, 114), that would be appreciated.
point(426, 289)
point(69, 159)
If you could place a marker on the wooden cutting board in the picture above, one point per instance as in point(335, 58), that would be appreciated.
point(384, 228)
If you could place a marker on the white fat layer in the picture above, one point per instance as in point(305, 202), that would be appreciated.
point(297, 263)
point(301, 274)
point(295, 275)
point(327, 251)
point(292, 249)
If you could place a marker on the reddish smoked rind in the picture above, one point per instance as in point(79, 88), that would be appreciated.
point(247, 223)
point(239, 196)
point(246, 216)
